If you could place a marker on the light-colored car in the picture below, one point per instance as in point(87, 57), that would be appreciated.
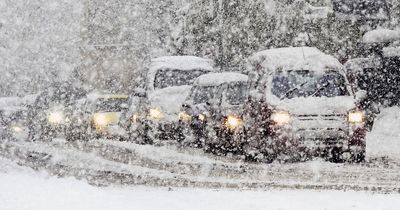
point(99, 115)
point(168, 83)
point(303, 105)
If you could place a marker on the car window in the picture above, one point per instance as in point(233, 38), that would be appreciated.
point(171, 78)
point(236, 93)
point(203, 94)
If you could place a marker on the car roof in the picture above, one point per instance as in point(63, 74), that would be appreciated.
point(295, 58)
point(183, 63)
point(216, 79)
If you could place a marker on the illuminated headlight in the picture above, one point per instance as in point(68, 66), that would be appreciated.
point(233, 122)
point(184, 117)
point(17, 129)
point(56, 117)
point(135, 118)
point(202, 117)
point(281, 118)
point(101, 120)
point(156, 114)
point(356, 117)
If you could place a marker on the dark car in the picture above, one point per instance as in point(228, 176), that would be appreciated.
point(211, 115)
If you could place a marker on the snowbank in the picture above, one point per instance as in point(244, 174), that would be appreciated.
point(29, 190)
point(384, 140)
point(381, 36)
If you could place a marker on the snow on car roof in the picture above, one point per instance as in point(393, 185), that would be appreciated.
point(391, 52)
point(295, 58)
point(215, 79)
point(184, 63)
point(381, 36)
point(358, 64)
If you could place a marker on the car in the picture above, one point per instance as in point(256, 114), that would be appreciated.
point(169, 80)
point(209, 115)
point(99, 115)
point(14, 123)
point(52, 109)
point(302, 106)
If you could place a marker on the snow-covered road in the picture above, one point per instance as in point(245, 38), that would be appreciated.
point(25, 189)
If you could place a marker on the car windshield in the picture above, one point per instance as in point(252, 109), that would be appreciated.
point(170, 78)
point(203, 94)
point(237, 93)
point(112, 104)
point(293, 84)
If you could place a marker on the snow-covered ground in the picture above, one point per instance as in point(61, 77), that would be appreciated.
point(384, 140)
point(25, 189)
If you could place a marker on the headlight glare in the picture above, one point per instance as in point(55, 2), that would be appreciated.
point(156, 114)
point(101, 120)
point(56, 117)
point(233, 122)
point(184, 117)
point(202, 117)
point(17, 129)
point(281, 118)
point(356, 117)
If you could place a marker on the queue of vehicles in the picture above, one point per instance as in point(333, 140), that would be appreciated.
point(290, 104)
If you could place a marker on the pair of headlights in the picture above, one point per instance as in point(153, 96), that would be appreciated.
point(283, 118)
point(184, 117)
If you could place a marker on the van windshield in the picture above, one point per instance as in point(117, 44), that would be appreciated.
point(303, 83)
point(170, 78)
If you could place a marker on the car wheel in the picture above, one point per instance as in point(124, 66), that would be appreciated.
point(336, 155)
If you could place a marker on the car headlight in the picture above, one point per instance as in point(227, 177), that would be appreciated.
point(156, 114)
point(281, 118)
point(135, 118)
point(184, 117)
point(101, 120)
point(202, 117)
point(17, 129)
point(356, 117)
point(56, 117)
point(233, 122)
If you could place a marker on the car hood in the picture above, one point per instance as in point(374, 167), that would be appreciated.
point(169, 100)
point(316, 105)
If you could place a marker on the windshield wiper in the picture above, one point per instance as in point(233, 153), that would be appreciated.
point(320, 89)
point(289, 92)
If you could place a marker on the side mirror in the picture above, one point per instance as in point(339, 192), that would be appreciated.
point(140, 92)
point(360, 95)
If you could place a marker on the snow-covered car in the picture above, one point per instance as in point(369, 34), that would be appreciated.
point(302, 106)
point(169, 80)
point(210, 114)
point(14, 123)
point(99, 115)
point(51, 112)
